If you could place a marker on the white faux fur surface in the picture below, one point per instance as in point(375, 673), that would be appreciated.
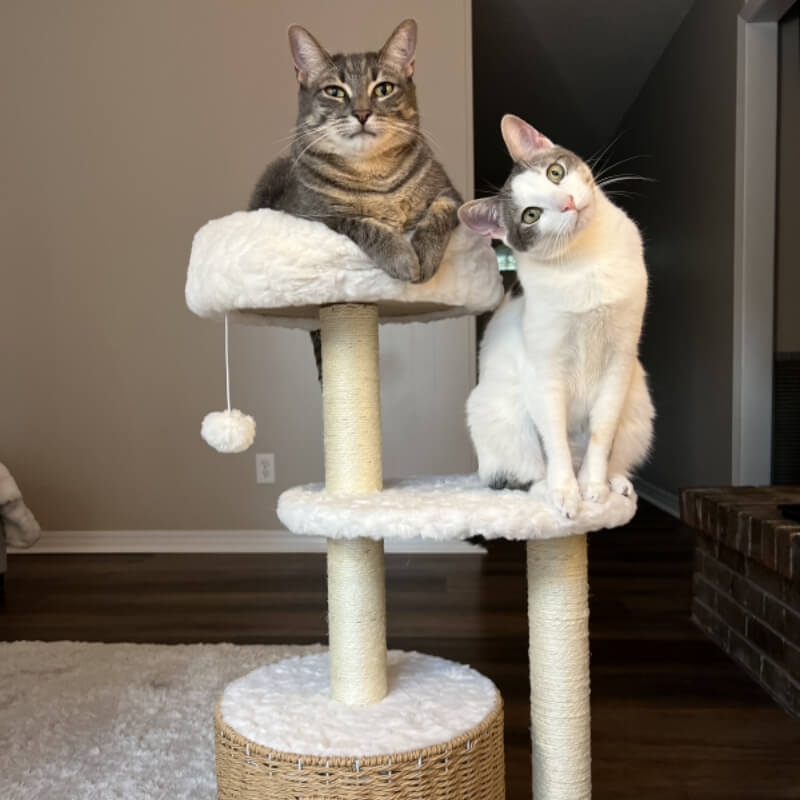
point(228, 431)
point(443, 507)
point(286, 707)
point(85, 721)
point(268, 259)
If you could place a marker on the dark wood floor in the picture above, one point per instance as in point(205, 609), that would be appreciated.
point(672, 716)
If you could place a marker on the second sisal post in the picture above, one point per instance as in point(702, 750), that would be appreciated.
point(558, 613)
point(352, 436)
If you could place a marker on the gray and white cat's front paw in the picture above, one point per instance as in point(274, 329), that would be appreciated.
point(595, 491)
point(599, 491)
point(566, 496)
point(621, 485)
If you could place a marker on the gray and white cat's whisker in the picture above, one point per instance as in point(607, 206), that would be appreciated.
point(622, 193)
point(598, 156)
point(606, 169)
point(623, 178)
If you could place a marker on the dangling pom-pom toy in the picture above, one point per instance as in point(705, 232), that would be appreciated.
point(229, 431)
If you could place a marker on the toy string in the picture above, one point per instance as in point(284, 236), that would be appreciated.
point(227, 366)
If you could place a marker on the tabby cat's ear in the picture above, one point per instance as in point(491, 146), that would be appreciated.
point(309, 56)
point(522, 140)
point(483, 216)
point(401, 47)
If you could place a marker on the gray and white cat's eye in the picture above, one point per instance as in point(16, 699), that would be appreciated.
point(556, 172)
point(337, 92)
point(531, 215)
point(383, 89)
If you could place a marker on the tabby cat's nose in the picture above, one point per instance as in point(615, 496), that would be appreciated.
point(362, 116)
point(569, 204)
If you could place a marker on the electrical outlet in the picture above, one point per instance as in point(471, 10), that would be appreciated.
point(265, 467)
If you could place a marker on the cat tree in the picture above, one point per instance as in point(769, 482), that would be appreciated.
point(360, 723)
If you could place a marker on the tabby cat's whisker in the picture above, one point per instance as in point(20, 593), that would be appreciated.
point(316, 139)
point(291, 136)
point(409, 130)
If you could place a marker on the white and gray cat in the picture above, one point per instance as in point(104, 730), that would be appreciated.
point(562, 396)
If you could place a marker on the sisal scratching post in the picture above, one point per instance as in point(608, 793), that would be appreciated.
point(558, 614)
point(352, 425)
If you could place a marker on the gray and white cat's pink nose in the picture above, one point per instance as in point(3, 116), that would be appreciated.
point(569, 204)
point(362, 116)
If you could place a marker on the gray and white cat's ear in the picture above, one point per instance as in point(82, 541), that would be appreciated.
point(401, 47)
point(483, 216)
point(522, 140)
point(309, 56)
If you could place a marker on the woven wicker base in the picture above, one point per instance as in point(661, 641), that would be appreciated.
point(468, 767)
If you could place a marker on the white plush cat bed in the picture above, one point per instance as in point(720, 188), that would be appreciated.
point(273, 268)
point(443, 507)
point(287, 706)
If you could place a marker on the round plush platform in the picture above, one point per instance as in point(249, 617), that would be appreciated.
point(273, 268)
point(438, 733)
point(443, 507)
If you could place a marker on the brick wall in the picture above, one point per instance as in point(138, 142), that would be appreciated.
point(746, 582)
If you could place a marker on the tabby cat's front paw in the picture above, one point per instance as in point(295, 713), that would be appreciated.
point(429, 247)
point(399, 260)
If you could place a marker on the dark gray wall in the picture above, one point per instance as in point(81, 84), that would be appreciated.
point(787, 240)
point(684, 123)
point(512, 74)
point(546, 61)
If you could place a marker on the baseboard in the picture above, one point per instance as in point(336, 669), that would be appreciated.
point(246, 541)
point(660, 498)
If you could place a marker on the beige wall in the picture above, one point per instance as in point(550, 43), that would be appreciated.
point(125, 127)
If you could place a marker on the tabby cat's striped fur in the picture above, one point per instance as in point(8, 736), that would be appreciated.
point(359, 162)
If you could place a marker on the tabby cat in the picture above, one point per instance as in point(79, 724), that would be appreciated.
point(359, 162)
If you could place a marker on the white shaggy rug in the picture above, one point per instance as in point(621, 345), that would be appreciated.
point(85, 721)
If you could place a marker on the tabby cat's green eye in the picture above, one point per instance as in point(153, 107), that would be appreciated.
point(334, 91)
point(531, 215)
point(383, 89)
point(555, 172)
